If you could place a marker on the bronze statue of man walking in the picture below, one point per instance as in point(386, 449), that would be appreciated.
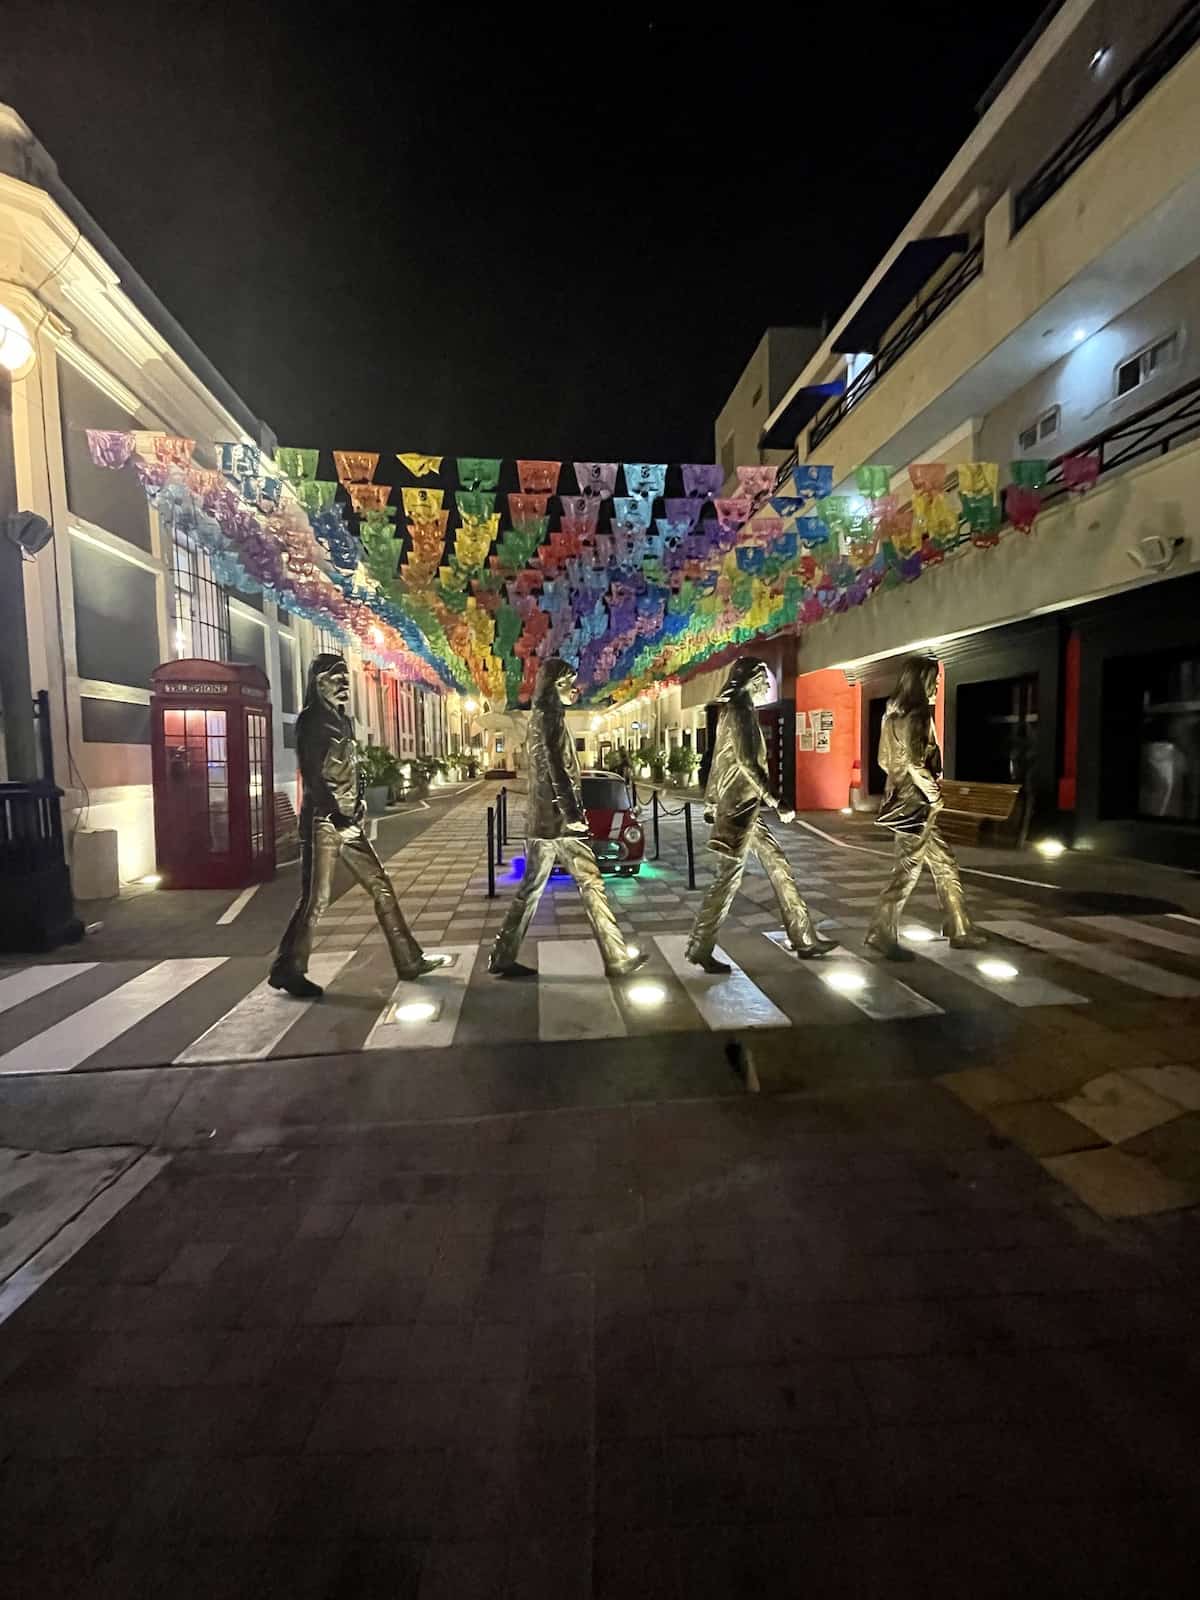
point(556, 829)
point(331, 826)
point(910, 755)
point(739, 785)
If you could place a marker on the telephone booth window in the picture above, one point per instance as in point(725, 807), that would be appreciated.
point(257, 751)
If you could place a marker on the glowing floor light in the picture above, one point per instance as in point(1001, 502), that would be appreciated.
point(646, 995)
point(916, 934)
point(632, 951)
point(845, 980)
point(991, 968)
point(415, 1011)
point(1052, 848)
point(151, 880)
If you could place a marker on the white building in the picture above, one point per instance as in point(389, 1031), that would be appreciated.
point(109, 598)
point(1044, 300)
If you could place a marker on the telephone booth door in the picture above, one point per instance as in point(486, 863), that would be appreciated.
point(214, 812)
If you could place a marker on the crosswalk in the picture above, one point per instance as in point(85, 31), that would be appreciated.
point(207, 1010)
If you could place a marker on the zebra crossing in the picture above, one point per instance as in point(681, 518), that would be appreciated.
point(205, 1010)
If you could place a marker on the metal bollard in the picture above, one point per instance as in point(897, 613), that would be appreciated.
point(491, 851)
point(654, 817)
point(500, 804)
point(687, 829)
point(504, 815)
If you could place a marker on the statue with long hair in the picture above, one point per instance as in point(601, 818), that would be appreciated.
point(910, 755)
point(738, 787)
point(331, 828)
point(556, 830)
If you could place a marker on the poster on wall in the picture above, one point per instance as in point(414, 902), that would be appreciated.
point(824, 741)
point(814, 719)
point(807, 738)
point(827, 721)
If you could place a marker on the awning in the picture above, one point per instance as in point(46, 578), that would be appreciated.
point(902, 282)
point(781, 430)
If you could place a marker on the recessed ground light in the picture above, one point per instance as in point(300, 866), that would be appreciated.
point(1053, 848)
point(916, 934)
point(1002, 970)
point(151, 880)
point(415, 1011)
point(646, 995)
point(632, 951)
point(846, 980)
point(847, 811)
point(1078, 335)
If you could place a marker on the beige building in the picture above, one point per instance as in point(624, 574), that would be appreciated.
point(1043, 301)
point(111, 595)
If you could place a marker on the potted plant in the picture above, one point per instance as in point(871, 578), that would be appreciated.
point(424, 770)
point(681, 763)
point(381, 772)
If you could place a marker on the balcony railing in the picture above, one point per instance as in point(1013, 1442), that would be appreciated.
point(1152, 431)
point(1150, 68)
point(927, 313)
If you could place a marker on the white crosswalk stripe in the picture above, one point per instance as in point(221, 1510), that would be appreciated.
point(252, 1029)
point(575, 999)
point(861, 984)
point(25, 985)
point(1145, 933)
point(1019, 989)
point(732, 1001)
point(1096, 958)
point(71, 1041)
point(423, 1015)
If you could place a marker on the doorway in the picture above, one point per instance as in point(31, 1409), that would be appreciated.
point(996, 725)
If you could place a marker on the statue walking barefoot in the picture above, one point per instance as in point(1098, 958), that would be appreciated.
point(556, 829)
point(739, 785)
point(909, 754)
point(331, 826)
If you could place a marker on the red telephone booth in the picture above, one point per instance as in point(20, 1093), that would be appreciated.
point(214, 789)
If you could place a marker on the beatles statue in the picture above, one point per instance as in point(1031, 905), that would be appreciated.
point(556, 830)
point(909, 754)
point(331, 826)
point(738, 787)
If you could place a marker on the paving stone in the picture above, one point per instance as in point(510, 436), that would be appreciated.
point(1117, 1106)
point(1115, 1183)
point(1042, 1129)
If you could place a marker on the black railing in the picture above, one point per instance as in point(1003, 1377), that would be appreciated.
point(1150, 68)
point(944, 296)
point(31, 836)
point(1152, 431)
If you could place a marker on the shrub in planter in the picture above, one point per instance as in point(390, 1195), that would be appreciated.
point(681, 763)
point(381, 773)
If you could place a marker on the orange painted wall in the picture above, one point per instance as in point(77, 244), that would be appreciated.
point(823, 780)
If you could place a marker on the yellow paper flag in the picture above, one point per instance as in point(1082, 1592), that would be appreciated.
point(420, 466)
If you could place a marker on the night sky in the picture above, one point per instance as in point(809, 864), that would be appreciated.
point(498, 237)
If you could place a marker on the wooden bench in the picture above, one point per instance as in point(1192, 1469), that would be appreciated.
point(969, 808)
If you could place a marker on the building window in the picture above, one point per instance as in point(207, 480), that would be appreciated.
point(247, 640)
point(116, 622)
point(1140, 368)
point(580, 744)
point(199, 606)
point(857, 364)
point(757, 396)
point(1042, 428)
point(113, 501)
point(728, 456)
point(288, 696)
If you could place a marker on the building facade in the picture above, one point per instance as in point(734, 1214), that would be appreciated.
point(113, 593)
point(1044, 301)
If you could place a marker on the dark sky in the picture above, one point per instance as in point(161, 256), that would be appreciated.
point(502, 237)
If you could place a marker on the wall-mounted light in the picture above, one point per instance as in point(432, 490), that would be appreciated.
point(16, 346)
point(1099, 59)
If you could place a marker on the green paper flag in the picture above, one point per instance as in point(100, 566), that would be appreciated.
point(478, 472)
point(871, 481)
point(1029, 474)
point(298, 465)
